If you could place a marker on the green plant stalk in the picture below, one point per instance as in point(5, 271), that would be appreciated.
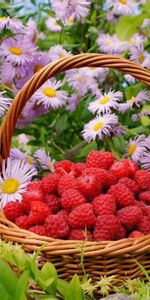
point(112, 148)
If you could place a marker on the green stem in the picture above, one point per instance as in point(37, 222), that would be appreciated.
point(57, 147)
point(112, 148)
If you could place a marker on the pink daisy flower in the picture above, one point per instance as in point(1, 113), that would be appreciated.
point(23, 139)
point(145, 161)
point(16, 52)
point(136, 147)
point(100, 127)
point(31, 33)
point(110, 44)
point(105, 103)
point(140, 98)
point(136, 40)
point(52, 24)
point(44, 159)
point(22, 156)
point(49, 96)
point(57, 52)
point(12, 24)
point(15, 176)
point(4, 103)
point(140, 56)
point(122, 7)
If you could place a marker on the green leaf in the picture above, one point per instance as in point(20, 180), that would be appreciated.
point(133, 90)
point(62, 286)
point(62, 124)
point(128, 25)
point(48, 278)
point(22, 286)
point(3, 293)
point(74, 291)
point(7, 278)
point(145, 120)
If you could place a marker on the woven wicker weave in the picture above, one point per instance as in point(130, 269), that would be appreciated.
point(100, 258)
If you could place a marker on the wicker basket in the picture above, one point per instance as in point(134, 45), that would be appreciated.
point(100, 258)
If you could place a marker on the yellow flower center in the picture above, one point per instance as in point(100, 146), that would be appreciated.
point(37, 68)
point(104, 100)
point(98, 126)
point(131, 149)
point(10, 186)
point(49, 92)
point(62, 55)
point(29, 160)
point(70, 20)
point(15, 50)
point(141, 57)
point(79, 79)
point(130, 42)
point(2, 18)
point(123, 1)
point(92, 68)
point(131, 99)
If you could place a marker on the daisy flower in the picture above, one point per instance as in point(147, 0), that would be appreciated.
point(98, 73)
point(22, 139)
point(17, 154)
point(57, 52)
point(130, 79)
point(140, 98)
point(110, 44)
point(145, 161)
point(49, 96)
point(15, 176)
point(70, 21)
point(136, 40)
point(140, 56)
point(136, 147)
point(122, 7)
point(16, 51)
point(52, 24)
point(44, 159)
point(73, 102)
point(4, 103)
point(31, 33)
point(105, 103)
point(11, 24)
point(99, 127)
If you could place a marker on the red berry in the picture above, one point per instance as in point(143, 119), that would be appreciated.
point(53, 202)
point(132, 167)
point(136, 234)
point(100, 174)
point(80, 234)
point(56, 227)
point(38, 229)
point(106, 228)
point(100, 159)
point(22, 222)
point(122, 195)
point(144, 225)
point(63, 213)
point(104, 204)
point(63, 166)
point(77, 169)
point(131, 184)
point(39, 211)
point(66, 182)
point(34, 185)
point(142, 177)
point(82, 216)
point(145, 197)
point(72, 198)
point(120, 169)
point(121, 234)
point(129, 216)
point(31, 196)
point(13, 210)
point(50, 183)
point(89, 185)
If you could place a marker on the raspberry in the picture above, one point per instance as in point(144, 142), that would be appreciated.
point(111, 179)
point(34, 185)
point(89, 185)
point(121, 234)
point(56, 226)
point(144, 225)
point(122, 195)
point(63, 213)
point(13, 210)
point(22, 222)
point(120, 169)
point(100, 174)
point(82, 216)
point(50, 183)
point(66, 182)
point(53, 202)
point(106, 228)
point(129, 216)
point(39, 211)
point(38, 229)
point(136, 234)
point(30, 196)
point(142, 177)
point(99, 159)
point(132, 167)
point(77, 169)
point(104, 204)
point(72, 198)
point(79, 234)
point(63, 166)
point(145, 197)
point(131, 184)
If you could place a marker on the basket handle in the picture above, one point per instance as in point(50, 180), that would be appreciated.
point(76, 61)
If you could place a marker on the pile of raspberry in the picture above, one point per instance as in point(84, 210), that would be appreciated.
point(100, 199)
